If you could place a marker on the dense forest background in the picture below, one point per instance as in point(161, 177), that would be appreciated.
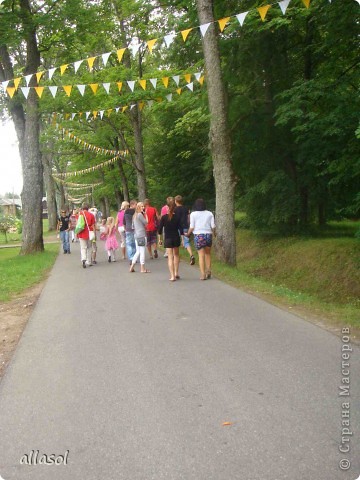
point(292, 97)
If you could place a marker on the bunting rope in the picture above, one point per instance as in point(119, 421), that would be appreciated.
point(135, 45)
point(88, 170)
point(92, 115)
point(82, 185)
point(94, 87)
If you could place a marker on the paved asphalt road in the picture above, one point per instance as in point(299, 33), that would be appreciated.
point(135, 377)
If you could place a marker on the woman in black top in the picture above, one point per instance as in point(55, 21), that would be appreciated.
point(171, 223)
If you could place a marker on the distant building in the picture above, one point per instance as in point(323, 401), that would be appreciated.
point(10, 206)
point(44, 208)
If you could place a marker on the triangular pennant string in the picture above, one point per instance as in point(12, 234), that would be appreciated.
point(263, 11)
point(77, 65)
point(107, 87)
point(197, 76)
point(241, 17)
point(151, 44)
point(153, 82)
point(5, 84)
point(27, 79)
point(306, 3)
point(131, 84)
point(38, 76)
point(90, 62)
point(134, 48)
point(185, 33)
point(284, 5)
point(25, 91)
point(51, 72)
point(119, 84)
point(142, 84)
point(11, 91)
point(187, 77)
point(94, 87)
point(17, 82)
point(81, 89)
point(190, 86)
point(39, 91)
point(222, 23)
point(165, 81)
point(67, 89)
point(168, 39)
point(105, 58)
point(120, 53)
point(63, 68)
point(204, 29)
point(176, 79)
point(53, 90)
point(169, 97)
point(178, 91)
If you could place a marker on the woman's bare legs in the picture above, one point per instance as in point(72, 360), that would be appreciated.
point(171, 265)
point(208, 261)
point(176, 261)
point(201, 253)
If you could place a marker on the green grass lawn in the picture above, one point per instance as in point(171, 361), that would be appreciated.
point(18, 273)
point(14, 238)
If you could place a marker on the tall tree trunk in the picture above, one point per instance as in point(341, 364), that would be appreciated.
point(123, 179)
point(135, 116)
point(220, 143)
point(50, 191)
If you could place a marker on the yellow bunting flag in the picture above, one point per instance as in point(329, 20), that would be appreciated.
point(94, 87)
point(120, 53)
point(17, 82)
point(67, 89)
point(38, 76)
point(222, 23)
point(141, 105)
point(185, 33)
point(67, 116)
point(201, 79)
point(263, 11)
point(165, 81)
point(151, 44)
point(306, 3)
point(119, 84)
point(124, 108)
point(11, 91)
point(95, 113)
point(187, 77)
point(109, 112)
point(63, 68)
point(178, 91)
point(39, 91)
point(143, 84)
point(90, 62)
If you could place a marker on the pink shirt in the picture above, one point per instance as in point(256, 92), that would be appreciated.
point(120, 216)
point(164, 210)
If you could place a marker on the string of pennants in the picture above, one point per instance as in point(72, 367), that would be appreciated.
point(88, 170)
point(76, 186)
point(92, 115)
point(94, 87)
point(135, 45)
point(88, 146)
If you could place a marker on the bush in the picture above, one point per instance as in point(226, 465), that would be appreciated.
point(7, 223)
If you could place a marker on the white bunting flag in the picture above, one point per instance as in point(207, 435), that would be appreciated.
point(107, 87)
point(87, 114)
point(105, 58)
point(132, 106)
point(25, 91)
point(168, 39)
point(197, 75)
point(204, 28)
point(51, 72)
point(134, 46)
point(284, 5)
point(27, 79)
point(357, 1)
point(169, 97)
point(190, 86)
point(5, 84)
point(53, 90)
point(131, 84)
point(241, 17)
point(81, 89)
point(150, 103)
point(176, 79)
point(73, 116)
point(77, 65)
point(101, 114)
point(117, 109)
point(153, 82)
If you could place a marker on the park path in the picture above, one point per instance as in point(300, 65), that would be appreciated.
point(137, 378)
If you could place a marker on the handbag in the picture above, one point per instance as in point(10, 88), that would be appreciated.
point(91, 232)
point(141, 241)
point(80, 224)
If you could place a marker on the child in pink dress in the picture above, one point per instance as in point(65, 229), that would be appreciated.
point(111, 243)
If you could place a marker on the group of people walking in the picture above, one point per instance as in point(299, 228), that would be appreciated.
point(141, 228)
